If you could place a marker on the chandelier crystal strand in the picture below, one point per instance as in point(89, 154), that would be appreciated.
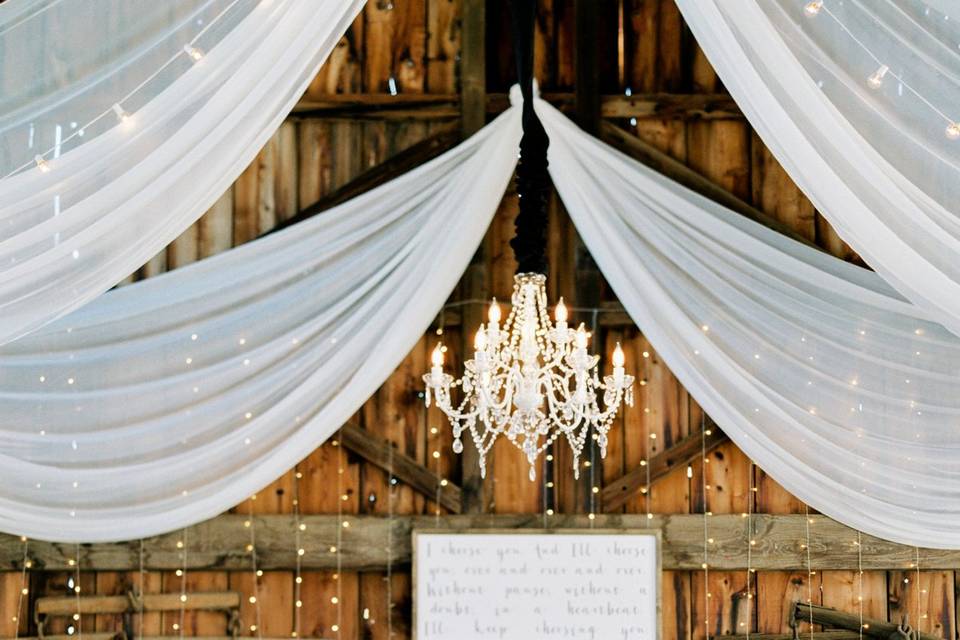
point(530, 380)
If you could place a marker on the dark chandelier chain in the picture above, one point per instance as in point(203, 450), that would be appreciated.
point(533, 181)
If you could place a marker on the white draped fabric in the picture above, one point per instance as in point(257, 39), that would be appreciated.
point(166, 402)
point(845, 393)
point(121, 123)
point(860, 102)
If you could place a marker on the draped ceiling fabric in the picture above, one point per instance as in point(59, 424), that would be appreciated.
point(166, 402)
point(142, 115)
point(844, 392)
point(874, 157)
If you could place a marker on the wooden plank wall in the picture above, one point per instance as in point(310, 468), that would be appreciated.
point(412, 46)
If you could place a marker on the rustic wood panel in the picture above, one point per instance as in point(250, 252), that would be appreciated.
point(450, 59)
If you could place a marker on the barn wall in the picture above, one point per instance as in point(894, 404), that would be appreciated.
point(414, 45)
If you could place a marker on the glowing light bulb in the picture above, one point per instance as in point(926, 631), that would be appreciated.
point(876, 78)
point(194, 53)
point(436, 358)
point(953, 130)
point(122, 116)
point(561, 312)
point(813, 7)
point(618, 358)
point(581, 337)
point(480, 339)
point(42, 164)
point(494, 312)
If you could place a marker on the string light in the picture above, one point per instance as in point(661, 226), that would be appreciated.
point(116, 107)
point(182, 545)
point(875, 80)
point(193, 53)
point(336, 628)
point(392, 482)
point(807, 522)
point(750, 543)
point(78, 616)
point(140, 598)
point(251, 524)
point(706, 532)
point(24, 590)
point(41, 164)
point(298, 528)
point(859, 581)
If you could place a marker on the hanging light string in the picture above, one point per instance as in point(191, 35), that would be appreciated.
point(189, 50)
point(140, 603)
point(875, 80)
point(391, 484)
point(254, 599)
point(24, 589)
point(810, 573)
point(341, 524)
point(298, 528)
point(860, 581)
point(751, 542)
point(706, 527)
point(917, 590)
point(182, 574)
point(78, 616)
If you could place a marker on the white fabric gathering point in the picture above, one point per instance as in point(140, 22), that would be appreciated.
point(168, 401)
point(846, 394)
point(109, 152)
point(860, 103)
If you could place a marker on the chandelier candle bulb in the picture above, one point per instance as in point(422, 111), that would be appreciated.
point(532, 381)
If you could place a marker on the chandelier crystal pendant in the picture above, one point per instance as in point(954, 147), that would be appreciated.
point(530, 380)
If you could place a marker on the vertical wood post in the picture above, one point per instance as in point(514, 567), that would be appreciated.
point(473, 69)
point(476, 281)
point(587, 275)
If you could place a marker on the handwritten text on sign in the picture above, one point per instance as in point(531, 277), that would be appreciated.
point(536, 586)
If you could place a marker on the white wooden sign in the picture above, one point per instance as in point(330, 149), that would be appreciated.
point(570, 585)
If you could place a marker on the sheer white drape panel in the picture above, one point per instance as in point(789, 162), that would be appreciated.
point(166, 402)
point(120, 124)
point(844, 392)
point(855, 99)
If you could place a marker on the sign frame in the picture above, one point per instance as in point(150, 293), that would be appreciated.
point(655, 533)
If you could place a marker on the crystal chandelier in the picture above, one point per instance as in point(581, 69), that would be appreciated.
point(530, 380)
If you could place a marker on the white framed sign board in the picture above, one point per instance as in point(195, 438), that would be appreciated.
point(594, 584)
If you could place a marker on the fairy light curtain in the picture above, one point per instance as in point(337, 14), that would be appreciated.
point(166, 402)
point(121, 123)
point(860, 102)
point(844, 392)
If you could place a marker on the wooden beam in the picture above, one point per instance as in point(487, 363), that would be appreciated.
point(616, 493)
point(69, 605)
point(473, 65)
point(424, 106)
point(220, 543)
point(401, 163)
point(376, 451)
point(475, 283)
point(587, 64)
point(382, 106)
point(816, 635)
point(831, 618)
point(676, 170)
